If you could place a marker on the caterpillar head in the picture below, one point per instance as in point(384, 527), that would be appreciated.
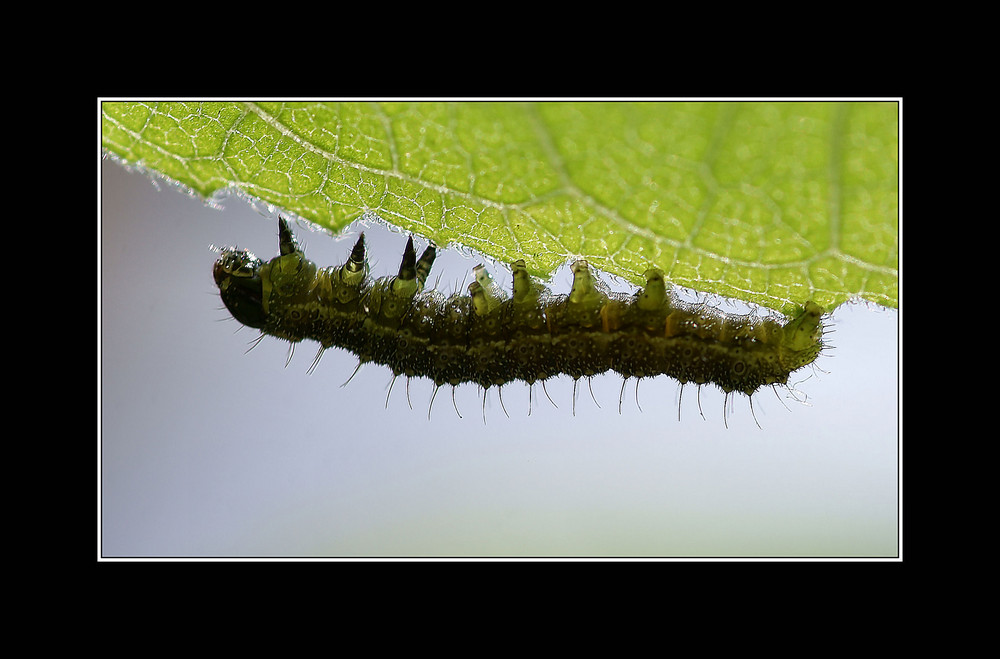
point(237, 274)
point(247, 284)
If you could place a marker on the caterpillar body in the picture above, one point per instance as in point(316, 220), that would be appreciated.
point(490, 339)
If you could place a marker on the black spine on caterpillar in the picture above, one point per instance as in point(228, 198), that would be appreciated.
point(491, 339)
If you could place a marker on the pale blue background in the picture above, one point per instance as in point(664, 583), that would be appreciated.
point(206, 451)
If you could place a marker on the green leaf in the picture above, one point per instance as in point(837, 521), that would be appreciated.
point(773, 203)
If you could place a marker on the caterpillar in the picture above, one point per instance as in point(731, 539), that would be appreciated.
point(490, 339)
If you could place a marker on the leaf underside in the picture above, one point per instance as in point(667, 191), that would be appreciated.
point(770, 203)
